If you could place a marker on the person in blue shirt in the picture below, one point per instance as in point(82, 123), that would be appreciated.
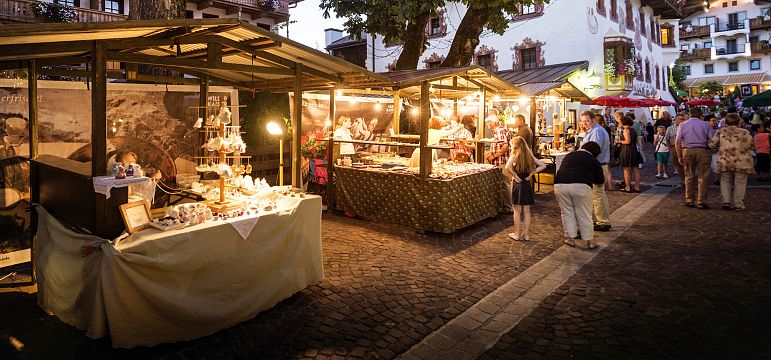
point(595, 133)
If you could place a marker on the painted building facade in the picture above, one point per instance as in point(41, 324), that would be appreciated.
point(619, 38)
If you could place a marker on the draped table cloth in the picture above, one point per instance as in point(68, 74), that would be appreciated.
point(155, 287)
point(426, 204)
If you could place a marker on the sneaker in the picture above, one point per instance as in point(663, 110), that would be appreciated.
point(658, 176)
point(727, 206)
point(569, 242)
point(590, 245)
point(665, 176)
point(740, 208)
point(676, 173)
point(690, 204)
point(702, 206)
point(639, 166)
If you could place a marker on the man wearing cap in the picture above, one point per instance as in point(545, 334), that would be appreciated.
point(499, 155)
point(595, 133)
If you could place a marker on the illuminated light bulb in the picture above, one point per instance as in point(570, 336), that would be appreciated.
point(523, 100)
point(497, 98)
point(415, 111)
point(339, 92)
point(378, 106)
point(445, 112)
point(353, 100)
point(328, 123)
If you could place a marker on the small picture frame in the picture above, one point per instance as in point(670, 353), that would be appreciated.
point(136, 215)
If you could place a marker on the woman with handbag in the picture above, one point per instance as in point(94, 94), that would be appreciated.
point(629, 158)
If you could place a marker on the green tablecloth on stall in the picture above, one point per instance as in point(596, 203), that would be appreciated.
point(425, 204)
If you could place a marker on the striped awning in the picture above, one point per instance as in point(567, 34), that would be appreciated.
point(727, 80)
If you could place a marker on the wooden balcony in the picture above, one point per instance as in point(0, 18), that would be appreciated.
point(21, 11)
point(255, 8)
point(696, 54)
point(696, 31)
point(761, 47)
point(759, 23)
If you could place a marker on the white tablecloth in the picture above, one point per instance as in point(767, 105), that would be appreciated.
point(140, 185)
point(154, 287)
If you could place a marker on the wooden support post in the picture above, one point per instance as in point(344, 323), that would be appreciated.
point(397, 112)
point(99, 109)
point(297, 119)
point(481, 117)
point(532, 120)
point(203, 111)
point(331, 151)
point(455, 100)
point(33, 107)
point(214, 53)
point(425, 112)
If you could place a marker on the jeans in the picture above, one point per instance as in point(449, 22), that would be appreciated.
point(576, 209)
point(739, 180)
point(697, 160)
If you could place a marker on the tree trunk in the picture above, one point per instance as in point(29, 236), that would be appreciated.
point(467, 37)
point(157, 9)
point(414, 43)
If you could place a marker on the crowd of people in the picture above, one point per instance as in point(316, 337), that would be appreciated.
point(730, 144)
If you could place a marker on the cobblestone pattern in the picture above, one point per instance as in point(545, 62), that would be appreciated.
point(386, 288)
point(693, 286)
point(479, 328)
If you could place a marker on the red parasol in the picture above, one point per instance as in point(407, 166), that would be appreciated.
point(705, 102)
point(613, 101)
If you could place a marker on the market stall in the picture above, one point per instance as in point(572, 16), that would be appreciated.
point(413, 178)
point(108, 264)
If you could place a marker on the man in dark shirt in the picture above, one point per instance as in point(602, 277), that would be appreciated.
point(573, 183)
point(665, 120)
point(523, 130)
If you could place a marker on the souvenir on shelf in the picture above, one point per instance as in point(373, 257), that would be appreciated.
point(223, 148)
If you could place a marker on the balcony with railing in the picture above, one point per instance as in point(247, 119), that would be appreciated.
point(761, 47)
point(731, 51)
point(276, 9)
point(692, 31)
point(760, 22)
point(696, 54)
point(21, 11)
point(730, 28)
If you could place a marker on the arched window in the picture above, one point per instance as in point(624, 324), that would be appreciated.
point(601, 7)
point(658, 77)
point(642, 23)
point(647, 71)
point(629, 15)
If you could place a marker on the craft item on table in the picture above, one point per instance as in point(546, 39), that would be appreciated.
point(224, 170)
point(224, 115)
point(103, 184)
point(192, 213)
point(247, 182)
point(198, 123)
point(210, 120)
point(130, 170)
point(168, 223)
point(121, 171)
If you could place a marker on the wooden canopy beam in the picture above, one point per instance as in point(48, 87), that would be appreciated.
point(195, 64)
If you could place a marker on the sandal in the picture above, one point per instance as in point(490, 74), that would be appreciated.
point(513, 236)
point(569, 242)
point(590, 245)
point(625, 191)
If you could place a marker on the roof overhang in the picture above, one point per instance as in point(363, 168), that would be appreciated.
point(229, 51)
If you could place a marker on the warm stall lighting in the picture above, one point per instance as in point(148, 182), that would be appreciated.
point(328, 123)
point(524, 100)
point(378, 106)
point(353, 100)
point(415, 111)
point(497, 98)
point(339, 92)
point(445, 112)
point(274, 128)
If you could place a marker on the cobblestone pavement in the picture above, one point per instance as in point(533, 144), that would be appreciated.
point(386, 288)
point(693, 286)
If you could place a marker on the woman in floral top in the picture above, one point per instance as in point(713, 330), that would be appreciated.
point(734, 162)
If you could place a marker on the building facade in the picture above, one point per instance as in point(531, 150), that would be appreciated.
point(264, 13)
point(726, 42)
point(620, 39)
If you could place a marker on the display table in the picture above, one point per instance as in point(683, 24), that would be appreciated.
point(154, 287)
point(425, 204)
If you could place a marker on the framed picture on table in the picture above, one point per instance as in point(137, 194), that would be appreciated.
point(136, 215)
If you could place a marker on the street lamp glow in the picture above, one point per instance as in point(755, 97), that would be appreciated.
point(274, 128)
